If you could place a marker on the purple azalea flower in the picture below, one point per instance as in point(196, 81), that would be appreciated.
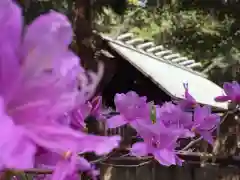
point(100, 145)
point(81, 112)
point(158, 141)
point(39, 84)
point(131, 108)
point(204, 122)
point(28, 97)
point(173, 116)
point(76, 118)
point(232, 91)
point(27, 102)
point(189, 101)
point(68, 164)
point(17, 151)
point(67, 167)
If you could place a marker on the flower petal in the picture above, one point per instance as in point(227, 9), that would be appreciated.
point(52, 28)
point(17, 151)
point(10, 38)
point(209, 122)
point(11, 23)
point(62, 170)
point(116, 121)
point(45, 43)
point(18, 154)
point(132, 106)
point(139, 149)
point(98, 144)
point(83, 164)
point(207, 136)
point(165, 157)
point(228, 88)
point(96, 106)
point(222, 98)
point(79, 114)
point(200, 113)
point(55, 138)
point(108, 145)
point(34, 100)
point(46, 160)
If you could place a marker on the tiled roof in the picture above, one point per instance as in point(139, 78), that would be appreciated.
point(158, 51)
point(167, 69)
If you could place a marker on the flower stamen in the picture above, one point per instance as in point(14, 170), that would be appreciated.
point(67, 154)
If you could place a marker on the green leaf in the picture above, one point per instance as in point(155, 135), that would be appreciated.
point(153, 113)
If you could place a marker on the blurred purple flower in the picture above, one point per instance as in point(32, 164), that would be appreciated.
point(131, 108)
point(204, 122)
point(40, 86)
point(39, 83)
point(17, 150)
point(76, 117)
point(232, 91)
point(67, 167)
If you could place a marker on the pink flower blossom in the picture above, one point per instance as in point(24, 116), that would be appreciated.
point(39, 83)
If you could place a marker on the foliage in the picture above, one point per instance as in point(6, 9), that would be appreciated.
point(32, 9)
point(199, 33)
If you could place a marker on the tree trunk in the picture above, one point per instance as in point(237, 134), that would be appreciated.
point(84, 34)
